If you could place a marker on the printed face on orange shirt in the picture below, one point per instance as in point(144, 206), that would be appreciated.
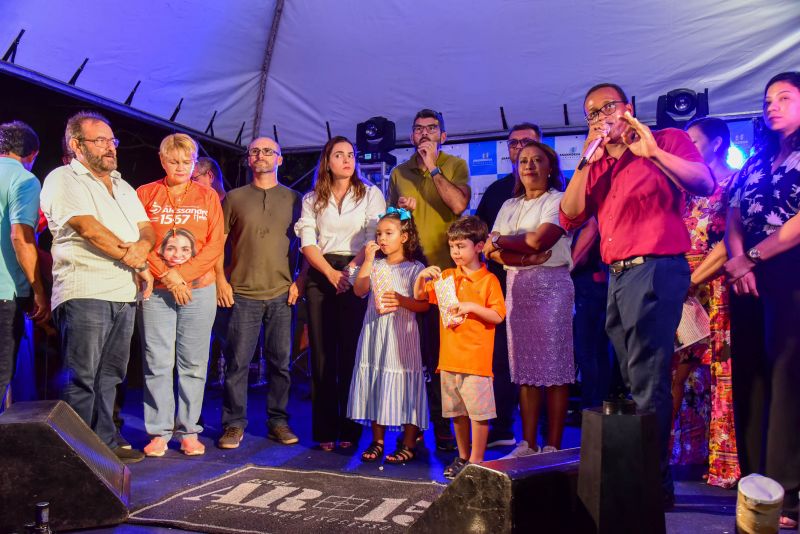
point(177, 249)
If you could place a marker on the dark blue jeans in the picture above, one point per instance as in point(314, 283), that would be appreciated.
point(96, 347)
point(644, 308)
point(12, 328)
point(246, 319)
point(592, 354)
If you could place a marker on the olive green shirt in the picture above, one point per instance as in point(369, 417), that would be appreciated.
point(260, 224)
point(432, 216)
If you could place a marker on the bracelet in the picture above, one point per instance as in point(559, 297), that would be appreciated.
point(142, 268)
point(523, 260)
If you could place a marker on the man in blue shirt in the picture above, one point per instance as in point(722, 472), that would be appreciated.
point(19, 268)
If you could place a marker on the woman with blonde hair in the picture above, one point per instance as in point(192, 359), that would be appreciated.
point(177, 318)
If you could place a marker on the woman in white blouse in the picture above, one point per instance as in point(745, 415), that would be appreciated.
point(539, 298)
point(338, 218)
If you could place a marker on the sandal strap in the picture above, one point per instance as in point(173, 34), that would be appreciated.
point(401, 454)
point(375, 449)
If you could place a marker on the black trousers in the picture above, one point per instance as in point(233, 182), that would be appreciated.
point(429, 343)
point(334, 325)
point(765, 372)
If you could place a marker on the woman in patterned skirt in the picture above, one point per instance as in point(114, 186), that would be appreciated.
point(709, 360)
point(539, 298)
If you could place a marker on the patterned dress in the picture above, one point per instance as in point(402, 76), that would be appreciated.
point(388, 383)
point(704, 425)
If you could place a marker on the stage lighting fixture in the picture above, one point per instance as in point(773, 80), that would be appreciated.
point(375, 138)
point(679, 106)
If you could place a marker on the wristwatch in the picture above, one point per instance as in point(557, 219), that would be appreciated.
point(754, 254)
point(435, 171)
point(496, 242)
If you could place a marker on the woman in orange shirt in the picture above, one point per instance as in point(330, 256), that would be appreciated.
point(178, 317)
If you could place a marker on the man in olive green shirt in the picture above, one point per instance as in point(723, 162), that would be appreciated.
point(259, 219)
point(435, 186)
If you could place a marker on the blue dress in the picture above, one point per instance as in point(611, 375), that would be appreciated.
point(388, 383)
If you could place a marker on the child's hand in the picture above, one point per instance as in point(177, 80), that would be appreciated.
point(371, 249)
point(430, 273)
point(390, 302)
point(462, 309)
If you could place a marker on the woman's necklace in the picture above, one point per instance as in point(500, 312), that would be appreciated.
point(176, 203)
point(523, 210)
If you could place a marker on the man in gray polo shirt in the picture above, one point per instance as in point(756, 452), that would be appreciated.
point(260, 217)
point(101, 238)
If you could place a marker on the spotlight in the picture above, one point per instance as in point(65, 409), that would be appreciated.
point(375, 138)
point(679, 106)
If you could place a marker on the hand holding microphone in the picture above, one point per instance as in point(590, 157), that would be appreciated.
point(590, 154)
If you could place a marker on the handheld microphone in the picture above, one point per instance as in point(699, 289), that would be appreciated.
point(590, 150)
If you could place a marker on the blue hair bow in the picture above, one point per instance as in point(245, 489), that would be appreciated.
point(402, 212)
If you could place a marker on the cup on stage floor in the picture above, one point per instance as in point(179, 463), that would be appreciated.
point(758, 505)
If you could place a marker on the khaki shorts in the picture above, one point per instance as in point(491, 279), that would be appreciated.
point(467, 395)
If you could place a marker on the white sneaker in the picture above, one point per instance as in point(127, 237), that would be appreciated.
point(549, 448)
point(521, 450)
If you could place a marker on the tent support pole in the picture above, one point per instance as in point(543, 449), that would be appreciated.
point(262, 86)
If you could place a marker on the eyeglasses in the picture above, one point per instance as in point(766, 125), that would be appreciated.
point(429, 128)
point(101, 142)
point(607, 109)
point(519, 143)
point(254, 152)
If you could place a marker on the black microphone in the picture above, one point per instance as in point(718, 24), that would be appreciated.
point(590, 150)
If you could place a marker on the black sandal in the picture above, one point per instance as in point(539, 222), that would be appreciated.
point(400, 456)
point(455, 468)
point(373, 452)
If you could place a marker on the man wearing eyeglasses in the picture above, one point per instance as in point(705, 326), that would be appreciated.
point(435, 186)
point(101, 238)
point(260, 218)
point(501, 432)
point(635, 184)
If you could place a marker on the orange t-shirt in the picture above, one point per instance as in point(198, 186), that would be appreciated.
point(189, 233)
point(468, 347)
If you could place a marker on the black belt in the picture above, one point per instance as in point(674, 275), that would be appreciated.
point(623, 265)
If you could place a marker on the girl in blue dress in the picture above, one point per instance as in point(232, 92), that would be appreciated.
point(388, 386)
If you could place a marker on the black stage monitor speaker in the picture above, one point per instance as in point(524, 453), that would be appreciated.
point(620, 478)
point(47, 453)
point(532, 495)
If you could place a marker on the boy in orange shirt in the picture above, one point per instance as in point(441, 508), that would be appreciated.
point(465, 354)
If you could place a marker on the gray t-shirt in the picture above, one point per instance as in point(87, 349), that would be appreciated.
point(260, 224)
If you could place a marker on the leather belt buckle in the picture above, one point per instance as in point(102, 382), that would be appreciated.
point(622, 265)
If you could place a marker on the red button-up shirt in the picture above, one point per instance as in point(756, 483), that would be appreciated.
point(639, 209)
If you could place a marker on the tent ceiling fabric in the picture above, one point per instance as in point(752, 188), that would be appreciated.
point(348, 60)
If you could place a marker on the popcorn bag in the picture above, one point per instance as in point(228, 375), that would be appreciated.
point(445, 289)
point(381, 280)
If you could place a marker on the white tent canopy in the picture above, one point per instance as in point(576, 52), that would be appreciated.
point(343, 61)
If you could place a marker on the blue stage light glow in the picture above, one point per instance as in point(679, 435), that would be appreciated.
point(736, 157)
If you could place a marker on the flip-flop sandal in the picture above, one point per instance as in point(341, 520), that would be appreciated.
point(373, 452)
point(402, 455)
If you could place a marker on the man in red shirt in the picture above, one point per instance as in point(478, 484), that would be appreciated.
point(635, 183)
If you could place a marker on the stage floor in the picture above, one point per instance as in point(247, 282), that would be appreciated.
point(700, 508)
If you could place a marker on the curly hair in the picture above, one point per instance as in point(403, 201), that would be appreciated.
point(411, 246)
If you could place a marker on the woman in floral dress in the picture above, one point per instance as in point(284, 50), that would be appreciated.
point(701, 428)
